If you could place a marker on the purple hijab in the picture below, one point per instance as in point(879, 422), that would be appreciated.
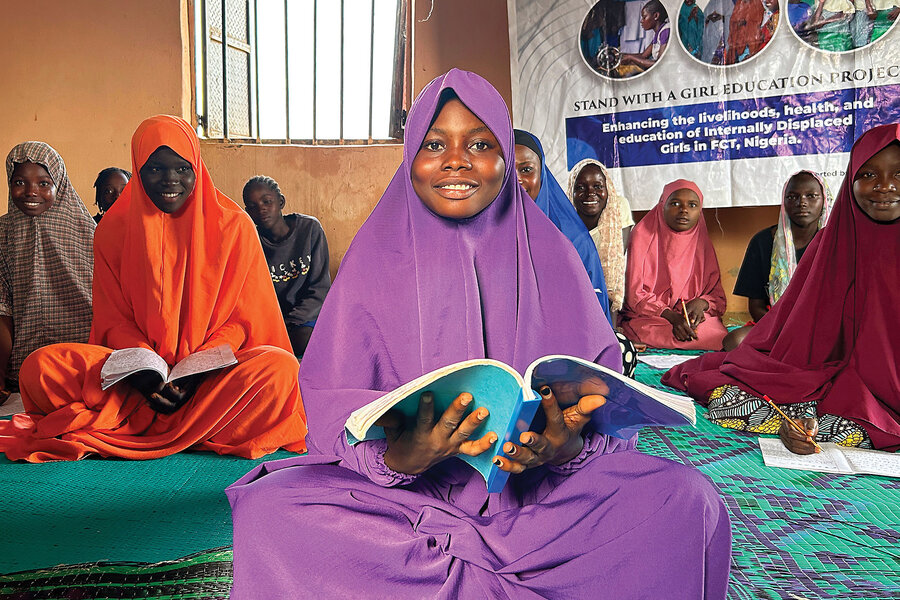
point(416, 291)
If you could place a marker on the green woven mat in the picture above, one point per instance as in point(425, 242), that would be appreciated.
point(202, 575)
point(100, 510)
point(797, 534)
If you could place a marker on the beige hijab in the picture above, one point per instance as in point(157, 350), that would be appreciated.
point(608, 234)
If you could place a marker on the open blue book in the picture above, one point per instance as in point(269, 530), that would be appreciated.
point(512, 402)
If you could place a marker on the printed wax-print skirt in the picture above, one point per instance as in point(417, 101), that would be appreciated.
point(732, 407)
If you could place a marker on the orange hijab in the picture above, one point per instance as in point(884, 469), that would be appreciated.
point(181, 282)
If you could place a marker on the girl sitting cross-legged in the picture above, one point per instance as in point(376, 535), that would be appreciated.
point(673, 289)
point(827, 352)
point(178, 269)
point(456, 262)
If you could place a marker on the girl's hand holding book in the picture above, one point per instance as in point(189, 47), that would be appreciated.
point(164, 398)
point(414, 450)
point(561, 440)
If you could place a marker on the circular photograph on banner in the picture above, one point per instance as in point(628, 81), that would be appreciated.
point(841, 25)
point(726, 32)
point(623, 39)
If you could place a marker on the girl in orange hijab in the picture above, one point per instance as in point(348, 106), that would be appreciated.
point(178, 269)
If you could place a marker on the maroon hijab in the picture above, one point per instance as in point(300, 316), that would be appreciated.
point(832, 338)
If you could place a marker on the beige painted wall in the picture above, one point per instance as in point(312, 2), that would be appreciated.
point(82, 75)
point(340, 186)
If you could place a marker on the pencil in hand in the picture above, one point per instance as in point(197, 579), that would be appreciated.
point(686, 317)
point(792, 422)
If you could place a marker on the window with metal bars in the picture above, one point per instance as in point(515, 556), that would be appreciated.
point(301, 71)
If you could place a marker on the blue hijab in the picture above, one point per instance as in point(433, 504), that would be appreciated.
point(554, 203)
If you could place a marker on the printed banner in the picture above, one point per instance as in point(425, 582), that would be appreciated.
point(735, 95)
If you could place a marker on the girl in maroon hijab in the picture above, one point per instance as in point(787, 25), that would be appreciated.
point(673, 289)
point(828, 350)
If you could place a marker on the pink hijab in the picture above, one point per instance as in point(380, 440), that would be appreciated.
point(832, 337)
point(665, 266)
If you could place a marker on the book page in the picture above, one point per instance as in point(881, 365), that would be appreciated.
point(630, 405)
point(873, 462)
point(203, 361)
point(361, 419)
point(663, 361)
point(125, 362)
point(830, 460)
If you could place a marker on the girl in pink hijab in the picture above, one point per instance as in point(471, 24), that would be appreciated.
point(673, 290)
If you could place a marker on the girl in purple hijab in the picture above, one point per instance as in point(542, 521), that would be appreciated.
point(455, 263)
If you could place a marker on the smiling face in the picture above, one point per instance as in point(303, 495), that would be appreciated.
point(590, 192)
point(264, 206)
point(682, 210)
point(458, 170)
point(168, 179)
point(32, 189)
point(876, 186)
point(803, 200)
point(109, 190)
point(528, 170)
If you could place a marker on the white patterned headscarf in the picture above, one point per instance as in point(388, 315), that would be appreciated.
point(46, 262)
point(608, 235)
point(784, 254)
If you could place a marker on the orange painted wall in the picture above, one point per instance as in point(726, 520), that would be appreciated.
point(340, 186)
point(468, 34)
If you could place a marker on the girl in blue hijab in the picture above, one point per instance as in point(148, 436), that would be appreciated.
point(543, 188)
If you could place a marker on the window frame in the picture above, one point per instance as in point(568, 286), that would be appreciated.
point(400, 92)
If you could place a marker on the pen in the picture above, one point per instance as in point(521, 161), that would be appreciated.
point(686, 317)
point(790, 420)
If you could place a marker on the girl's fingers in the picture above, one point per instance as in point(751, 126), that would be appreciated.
point(576, 417)
point(551, 408)
point(392, 419)
point(810, 425)
point(471, 423)
point(160, 403)
point(476, 447)
point(392, 423)
point(425, 414)
point(520, 454)
point(508, 465)
point(793, 433)
point(455, 413)
point(534, 442)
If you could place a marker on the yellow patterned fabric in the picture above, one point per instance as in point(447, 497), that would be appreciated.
point(733, 408)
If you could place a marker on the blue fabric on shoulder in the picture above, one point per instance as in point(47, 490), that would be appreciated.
point(554, 203)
